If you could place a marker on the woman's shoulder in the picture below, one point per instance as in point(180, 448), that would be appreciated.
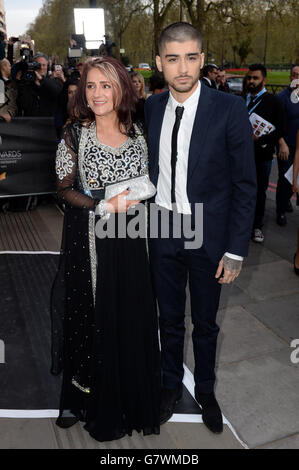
point(72, 129)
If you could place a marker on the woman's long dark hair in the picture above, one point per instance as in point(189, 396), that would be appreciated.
point(124, 94)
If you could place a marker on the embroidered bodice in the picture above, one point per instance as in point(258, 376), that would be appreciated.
point(83, 163)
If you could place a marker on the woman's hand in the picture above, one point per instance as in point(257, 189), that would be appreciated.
point(120, 203)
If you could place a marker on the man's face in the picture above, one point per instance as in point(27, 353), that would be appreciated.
point(212, 75)
point(256, 81)
point(221, 77)
point(295, 76)
point(6, 68)
point(180, 63)
point(44, 66)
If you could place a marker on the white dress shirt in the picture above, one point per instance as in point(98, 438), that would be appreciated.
point(163, 196)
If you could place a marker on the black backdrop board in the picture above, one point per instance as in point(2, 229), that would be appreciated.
point(27, 157)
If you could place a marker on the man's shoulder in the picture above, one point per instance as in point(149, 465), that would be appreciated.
point(225, 99)
point(272, 100)
point(157, 99)
point(284, 92)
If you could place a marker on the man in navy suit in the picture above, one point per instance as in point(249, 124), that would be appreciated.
point(200, 154)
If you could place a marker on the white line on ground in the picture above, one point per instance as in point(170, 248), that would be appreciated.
point(29, 252)
point(176, 418)
point(189, 383)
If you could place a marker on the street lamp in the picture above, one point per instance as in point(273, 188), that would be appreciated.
point(267, 9)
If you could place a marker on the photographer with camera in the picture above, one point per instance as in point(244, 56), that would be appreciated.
point(37, 92)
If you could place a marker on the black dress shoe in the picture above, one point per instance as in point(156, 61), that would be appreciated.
point(211, 413)
point(66, 422)
point(295, 269)
point(281, 219)
point(169, 398)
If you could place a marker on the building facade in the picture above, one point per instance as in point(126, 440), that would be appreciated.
point(2, 17)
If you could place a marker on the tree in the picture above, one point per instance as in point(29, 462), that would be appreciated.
point(119, 15)
point(160, 12)
point(244, 50)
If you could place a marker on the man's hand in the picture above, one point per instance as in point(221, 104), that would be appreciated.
point(231, 269)
point(59, 74)
point(39, 77)
point(283, 152)
point(295, 187)
point(255, 138)
point(6, 116)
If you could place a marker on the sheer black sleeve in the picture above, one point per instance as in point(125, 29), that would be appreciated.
point(66, 171)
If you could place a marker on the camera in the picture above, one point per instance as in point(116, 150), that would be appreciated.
point(15, 39)
point(29, 74)
point(28, 70)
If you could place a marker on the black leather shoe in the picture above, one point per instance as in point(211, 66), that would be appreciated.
point(295, 269)
point(66, 422)
point(211, 413)
point(281, 219)
point(169, 398)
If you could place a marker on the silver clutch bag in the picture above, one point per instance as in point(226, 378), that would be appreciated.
point(140, 188)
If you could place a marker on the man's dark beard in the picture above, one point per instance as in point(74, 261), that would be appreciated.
point(255, 89)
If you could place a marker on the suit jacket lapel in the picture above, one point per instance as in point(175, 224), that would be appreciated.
point(204, 112)
point(157, 126)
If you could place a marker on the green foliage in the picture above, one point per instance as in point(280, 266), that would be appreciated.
point(145, 73)
point(234, 31)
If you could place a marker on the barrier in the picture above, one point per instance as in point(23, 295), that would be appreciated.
point(27, 157)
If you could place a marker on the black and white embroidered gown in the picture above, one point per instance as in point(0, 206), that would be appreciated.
point(104, 322)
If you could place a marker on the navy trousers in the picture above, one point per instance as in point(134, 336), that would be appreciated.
point(172, 265)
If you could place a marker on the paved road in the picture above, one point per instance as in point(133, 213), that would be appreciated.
point(257, 383)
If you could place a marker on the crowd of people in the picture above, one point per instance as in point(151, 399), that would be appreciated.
point(198, 144)
point(48, 91)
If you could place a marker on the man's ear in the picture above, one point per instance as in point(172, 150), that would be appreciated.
point(159, 63)
point(202, 58)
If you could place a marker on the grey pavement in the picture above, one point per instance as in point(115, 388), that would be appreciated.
point(257, 383)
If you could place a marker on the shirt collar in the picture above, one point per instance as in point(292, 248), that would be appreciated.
point(256, 96)
point(189, 103)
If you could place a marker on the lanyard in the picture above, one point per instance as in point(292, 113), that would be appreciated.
point(258, 97)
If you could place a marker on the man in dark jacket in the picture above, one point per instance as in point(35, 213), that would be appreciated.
point(286, 157)
point(38, 98)
point(269, 108)
point(209, 75)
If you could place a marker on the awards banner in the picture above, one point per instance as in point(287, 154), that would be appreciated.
point(27, 157)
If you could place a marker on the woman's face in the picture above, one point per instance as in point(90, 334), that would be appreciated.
point(137, 84)
point(71, 91)
point(99, 93)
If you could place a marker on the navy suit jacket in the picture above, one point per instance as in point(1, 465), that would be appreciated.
point(221, 167)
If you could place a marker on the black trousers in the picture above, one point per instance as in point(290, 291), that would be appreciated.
point(263, 170)
point(172, 264)
point(284, 188)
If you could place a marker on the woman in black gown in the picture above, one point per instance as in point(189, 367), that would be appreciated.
point(104, 322)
